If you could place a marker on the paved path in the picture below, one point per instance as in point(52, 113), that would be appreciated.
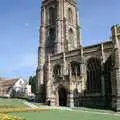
point(102, 112)
point(30, 104)
point(59, 108)
point(71, 109)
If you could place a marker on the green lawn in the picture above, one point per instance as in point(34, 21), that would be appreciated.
point(79, 114)
point(11, 103)
point(66, 115)
point(94, 110)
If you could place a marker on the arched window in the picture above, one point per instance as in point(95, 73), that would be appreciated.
point(93, 75)
point(108, 65)
point(70, 15)
point(51, 35)
point(52, 15)
point(71, 38)
point(57, 70)
point(75, 68)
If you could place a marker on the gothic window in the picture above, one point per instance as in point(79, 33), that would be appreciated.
point(93, 75)
point(52, 34)
point(51, 37)
point(107, 78)
point(70, 15)
point(71, 38)
point(57, 70)
point(75, 68)
point(52, 15)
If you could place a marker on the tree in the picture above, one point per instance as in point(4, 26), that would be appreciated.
point(32, 82)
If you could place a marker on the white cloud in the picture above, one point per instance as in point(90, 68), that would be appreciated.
point(26, 24)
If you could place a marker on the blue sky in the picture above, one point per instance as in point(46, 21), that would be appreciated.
point(19, 31)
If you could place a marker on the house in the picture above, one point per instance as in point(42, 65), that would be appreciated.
point(6, 86)
point(14, 88)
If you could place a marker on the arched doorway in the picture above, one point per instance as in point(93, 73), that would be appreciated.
point(62, 96)
point(76, 97)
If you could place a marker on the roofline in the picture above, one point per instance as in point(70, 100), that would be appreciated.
point(95, 45)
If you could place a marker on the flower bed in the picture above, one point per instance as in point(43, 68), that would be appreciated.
point(10, 110)
point(9, 117)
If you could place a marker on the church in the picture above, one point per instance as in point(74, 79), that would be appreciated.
point(68, 73)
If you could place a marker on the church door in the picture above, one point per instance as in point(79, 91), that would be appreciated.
point(62, 96)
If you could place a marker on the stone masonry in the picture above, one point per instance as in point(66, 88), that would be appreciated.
point(69, 74)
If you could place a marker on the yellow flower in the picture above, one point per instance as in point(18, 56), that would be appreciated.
point(9, 117)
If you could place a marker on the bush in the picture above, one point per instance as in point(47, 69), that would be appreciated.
point(9, 117)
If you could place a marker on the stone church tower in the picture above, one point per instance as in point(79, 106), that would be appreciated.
point(59, 33)
point(69, 74)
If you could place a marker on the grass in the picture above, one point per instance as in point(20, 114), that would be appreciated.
point(93, 109)
point(11, 103)
point(78, 114)
point(66, 115)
